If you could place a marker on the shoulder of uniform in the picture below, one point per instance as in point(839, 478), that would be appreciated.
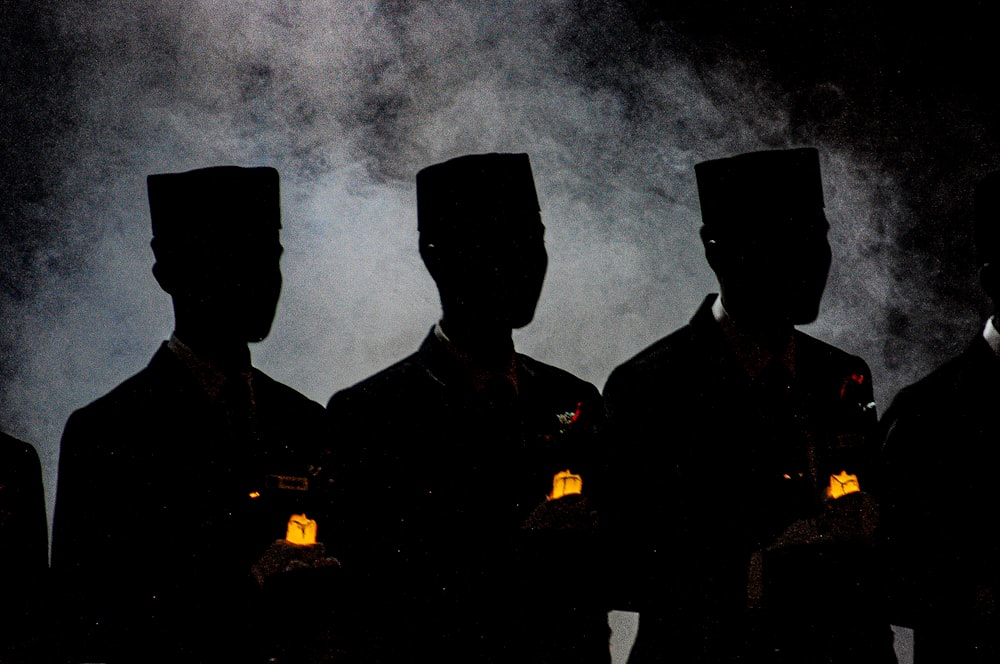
point(375, 385)
point(286, 394)
point(552, 374)
point(15, 452)
point(816, 349)
point(662, 355)
point(140, 387)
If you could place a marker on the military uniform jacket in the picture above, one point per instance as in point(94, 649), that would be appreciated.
point(717, 485)
point(24, 552)
point(164, 503)
point(941, 454)
point(25, 541)
point(438, 485)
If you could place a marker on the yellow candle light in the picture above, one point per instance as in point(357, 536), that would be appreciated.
point(565, 483)
point(843, 484)
point(301, 530)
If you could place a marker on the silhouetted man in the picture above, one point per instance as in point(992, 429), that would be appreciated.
point(24, 553)
point(173, 484)
point(726, 434)
point(940, 448)
point(445, 459)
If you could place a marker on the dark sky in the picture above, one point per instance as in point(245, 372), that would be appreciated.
point(614, 101)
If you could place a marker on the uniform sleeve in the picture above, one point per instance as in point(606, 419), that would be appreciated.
point(23, 553)
point(903, 519)
point(631, 554)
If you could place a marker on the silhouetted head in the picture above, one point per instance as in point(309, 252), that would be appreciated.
point(482, 239)
point(217, 247)
point(987, 234)
point(765, 235)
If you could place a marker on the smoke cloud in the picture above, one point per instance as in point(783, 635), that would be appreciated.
point(349, 100)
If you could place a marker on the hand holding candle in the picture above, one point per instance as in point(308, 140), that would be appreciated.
point(566, 508)
point(298, 551)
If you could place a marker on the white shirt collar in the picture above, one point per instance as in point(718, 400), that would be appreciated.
point(992, 335)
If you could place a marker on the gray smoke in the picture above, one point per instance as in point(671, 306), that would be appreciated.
point(349, 100)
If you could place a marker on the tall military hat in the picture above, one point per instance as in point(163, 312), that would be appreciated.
point(214, 203)
point(986, 219)
point(473, 188)
point(769, 184)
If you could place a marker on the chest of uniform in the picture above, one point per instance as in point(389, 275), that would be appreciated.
point(476, 465)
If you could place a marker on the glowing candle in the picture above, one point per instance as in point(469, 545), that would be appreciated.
point(301, 530)
point(565, 483)
point(843, 484)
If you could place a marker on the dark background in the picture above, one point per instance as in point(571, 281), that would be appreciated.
point(614, 101)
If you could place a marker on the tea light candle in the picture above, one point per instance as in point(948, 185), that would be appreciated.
point(565, 483)
point(842, 484)
point(301, 530)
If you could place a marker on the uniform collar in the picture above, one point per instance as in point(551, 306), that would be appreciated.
point(210, 379)
point(479, 377)
point(754, 357)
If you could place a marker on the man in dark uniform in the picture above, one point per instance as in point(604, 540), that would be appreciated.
point(728, 434)
point(446, 458)
point(941, 453)
point(24, 553)
point(174, 484)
